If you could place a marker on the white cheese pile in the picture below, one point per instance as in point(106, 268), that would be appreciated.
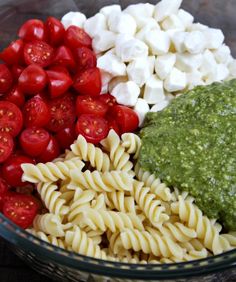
point(147, 53)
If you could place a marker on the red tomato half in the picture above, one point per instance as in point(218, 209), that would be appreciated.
point(66, 137)
point(34, 141)
point(13, 53)
point(51, 152)
point(85, 58)
point(16, 71)
point(33, 79)
point(11, 119)
point(90, 105)
point(6, 146)
point(15, 96)
point(64, 57)
point(92, 127)
point(112, 124)
point(76, 37)
point(108, 99)
point(60, 69)
point(3, 192)
point(88, 82)
point(39, 53)
point(6, 79)
point(32, 30)
point(21, 209)
point(55, 31)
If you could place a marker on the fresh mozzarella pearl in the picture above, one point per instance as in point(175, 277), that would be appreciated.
point(178, 40)
point(195, 42)
point(166, 8)
point(104, 41)
point(147, 28)
point(160, 106)
point(141, 108)
point(126, 93)
point(106, 77)
point(187, 62)
point(111, 64)
point(107, 10)
point(172, 22)
point(122, 23)
point(223, 54)
point(185, 17)
point(116, 80)
point(214, 38)
point(154, 91)
point(222, 72)
point(176, 81)
point(95, 24)
point(232, 68)
point(158, 42)
point(209, 65)
point(194, 78)
point(197, 26)
point(164, 65)
point(73, 18)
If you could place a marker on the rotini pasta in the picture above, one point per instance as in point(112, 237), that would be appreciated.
point(132, 143)
point(120, 202)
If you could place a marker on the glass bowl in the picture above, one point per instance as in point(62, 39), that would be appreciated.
point(62, 265)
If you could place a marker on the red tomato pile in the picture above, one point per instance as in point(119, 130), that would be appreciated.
point(49, 93)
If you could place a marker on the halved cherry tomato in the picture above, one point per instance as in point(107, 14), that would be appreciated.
point(66, 137)
point(59, 83)
point(3, 192)
point(12, 171)
point(32, 80)
point(36, 113)
point(85, 58)
point(51, 152)
point(34, 141)
point(88, 82)
point(76, 37)
point(6, 146)
point(125, 117)
point(32, 30)
point(92, 127)
point(55, 31)
point(64, 57)
point(90, 105)
point(62, 111)
point(15, 96)
point(60, 69)
point(6, 79)
point(16, 72)
point(13, 53)
point(11, 119)
point(108, 99)
point(21, 209)
point(38, 52)
point(112, 124)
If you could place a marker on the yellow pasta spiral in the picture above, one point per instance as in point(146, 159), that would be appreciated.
point(120, 202)
point(132, 143)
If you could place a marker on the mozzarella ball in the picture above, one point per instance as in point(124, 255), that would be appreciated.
point(187, 62)
point(95, 24)
point(160, 106)
point(158, 42)
point(111, 64)
point(176, 81)
point(141, 108)
point(107, 10)
point(73, 18)
point(166, 8)
point(154, 91)
point(185, 17)
point(104, 41)
point(195, 42)
point(164, 65)
point(122, 23)
point(214, 38)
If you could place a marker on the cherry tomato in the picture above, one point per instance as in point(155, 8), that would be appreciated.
point(90, 105)
point(85, 58)
point(88, 82)
point(13, 53)
point(39, 53)
point(76, 37)
point(55, 31)
point(6, 146)
point(6, 79)
point(60, 69)
point(21, 209)
point(12, 171)
point(11, 119)
point(108, 99)
point(51, 152)
point(3, 192)
point(92, 127)
point(16, 72)
point(62, 111)
point(36, 113)
point(32, 30)
point(59, 83)
point(112, 124)
point(64, 57)
point(125, 117)
point(66, 137)
point(15, 96)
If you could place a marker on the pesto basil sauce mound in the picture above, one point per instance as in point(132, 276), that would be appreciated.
point(191, 145)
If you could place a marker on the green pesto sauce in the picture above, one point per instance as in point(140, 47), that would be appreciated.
point(191, 145)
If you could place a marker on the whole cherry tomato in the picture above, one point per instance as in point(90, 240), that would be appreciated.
point(55, 31)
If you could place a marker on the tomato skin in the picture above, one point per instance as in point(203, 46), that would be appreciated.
point(55, 31)
point(12, 171)
point(88, 82)
point(64, 57)
point(6, 146)
point(90, 105)
point(59, 69)
point(76, 37)
point(59, 83)
point(34, 141)
point(16, 71)
point(6, 79)
point(51, 152)
point(15, 96)
point(13, 53)
point(108, 99)
point(3, 192)
point(66, 137)
point(21, 209)
point(36, 112)
point(85, 58)
point(32, 80)
point(32, 30)
point(112, 124)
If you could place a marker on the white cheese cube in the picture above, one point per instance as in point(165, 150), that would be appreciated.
point(195, 42)
point(176, 81)
point(214, 38)
point(154, 91)
point(95, 24)
point(232, 68)
point(209, 65)
point(166, 8)
point(107, 10)
point(104, 41)
point(185, 17)
point(194, 78)
point(223, 54)
point(115, 81)
point(197, 26)
point(111, 64)
point(178, 40)
point(126, 93)
point(222, 72)
point(187, 62)
point(122, 23)
point(106, 77)
point(164, 65)
point(73, 18)
point(158, 42)
point(147, 28)
point(160, 106)
point(141, 108)
point(172, 22)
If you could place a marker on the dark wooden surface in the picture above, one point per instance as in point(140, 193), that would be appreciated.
point(216, 13)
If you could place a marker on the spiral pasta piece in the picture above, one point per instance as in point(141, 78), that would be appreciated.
point(132, 143)
point(120, 202)
point(194, 250)
point(50, 172)
point(88, 152)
